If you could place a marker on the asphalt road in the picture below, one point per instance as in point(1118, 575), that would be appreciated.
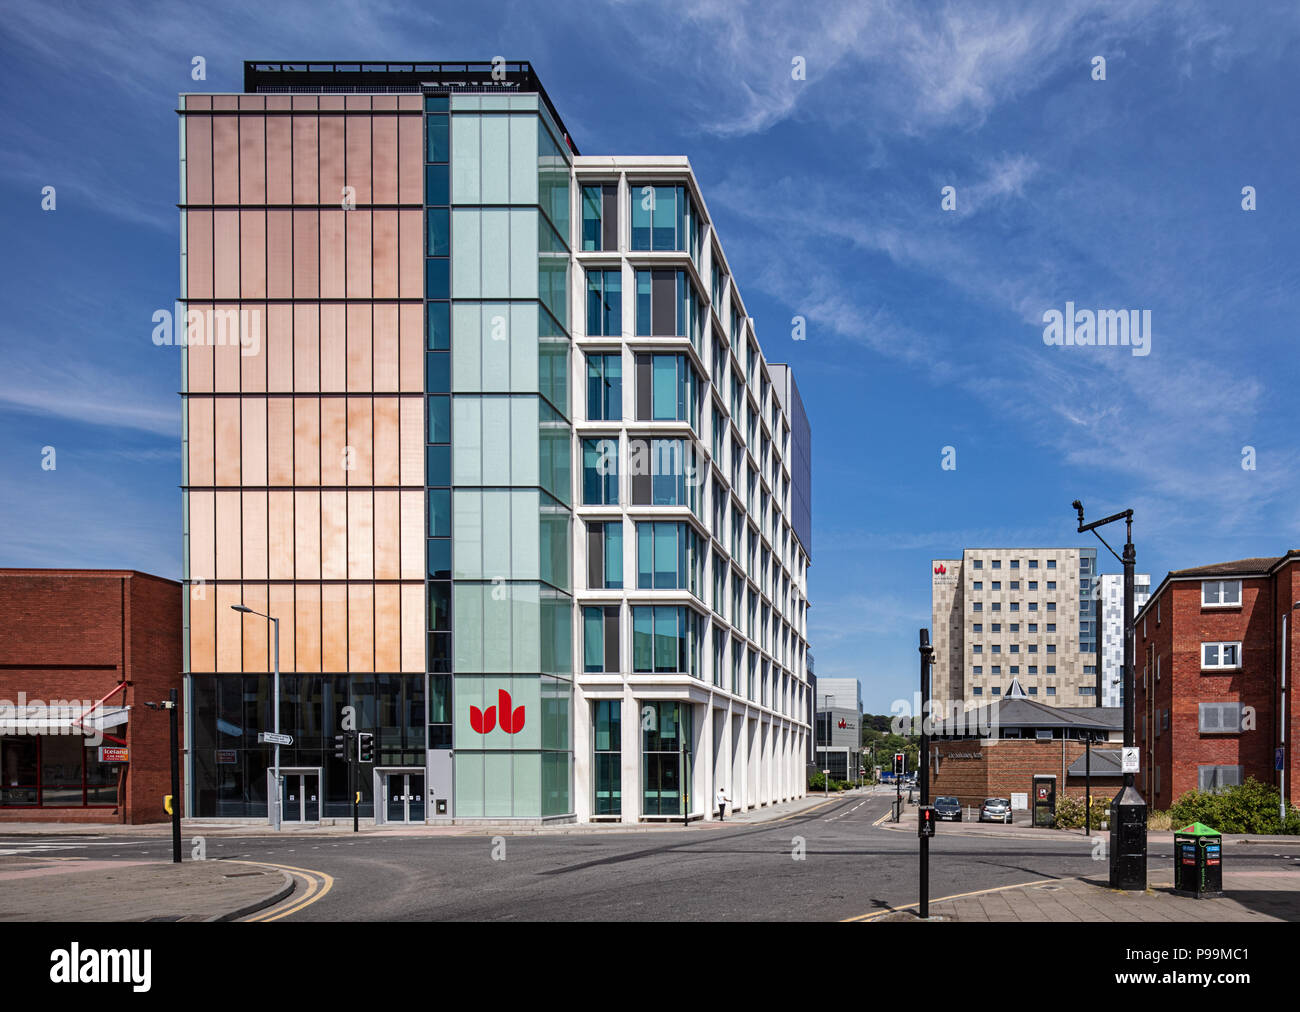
point(848, 868)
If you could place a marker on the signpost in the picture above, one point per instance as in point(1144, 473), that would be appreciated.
point(112, 754)
point(273, 738)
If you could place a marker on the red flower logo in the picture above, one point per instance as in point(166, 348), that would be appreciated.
point(841, 723)
point(940, 569)
point(512, 720)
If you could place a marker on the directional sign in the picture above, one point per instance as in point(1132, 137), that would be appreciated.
point(1279, 758)
point(272, 738)
point(1130, 761)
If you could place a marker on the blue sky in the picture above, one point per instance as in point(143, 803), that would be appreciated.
point(924, 325)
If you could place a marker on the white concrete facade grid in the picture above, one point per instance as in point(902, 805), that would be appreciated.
point(749, 725)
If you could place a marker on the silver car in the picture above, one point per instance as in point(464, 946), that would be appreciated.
point(996, 810)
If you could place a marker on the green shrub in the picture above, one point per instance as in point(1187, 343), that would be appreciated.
point(817, 781)
point(1251, 807)
point(1070, 812)
point(1159, 822)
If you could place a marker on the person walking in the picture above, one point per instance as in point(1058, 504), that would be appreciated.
point(723, 801)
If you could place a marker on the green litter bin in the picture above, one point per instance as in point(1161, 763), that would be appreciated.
point(1198, 862)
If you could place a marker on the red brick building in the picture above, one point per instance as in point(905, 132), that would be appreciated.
point(81, 651)
point(1215, 656)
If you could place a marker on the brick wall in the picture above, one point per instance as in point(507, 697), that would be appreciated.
point(1007, 766)
point(78, 634)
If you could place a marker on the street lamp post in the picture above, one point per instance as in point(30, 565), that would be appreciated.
point(279, 787)
point(1128, 821)
point(172, 706)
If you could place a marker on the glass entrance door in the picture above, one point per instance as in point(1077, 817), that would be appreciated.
point(301, 797)
point(404, 794)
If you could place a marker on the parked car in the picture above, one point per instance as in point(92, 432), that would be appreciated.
point(947, 809)
point(996, 810)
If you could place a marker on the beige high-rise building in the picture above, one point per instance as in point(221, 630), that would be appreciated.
point(1014, 613)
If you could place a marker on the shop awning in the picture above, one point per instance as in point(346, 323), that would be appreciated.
point(32, 719)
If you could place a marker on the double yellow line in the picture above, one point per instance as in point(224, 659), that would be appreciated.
point(317, 884)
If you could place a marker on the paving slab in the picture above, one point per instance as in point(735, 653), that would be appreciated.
point(70, 889)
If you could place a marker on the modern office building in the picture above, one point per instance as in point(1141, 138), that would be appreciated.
point(1004, 613)
point(1110, 589)
point(1215, 661)
point(838, 727)
point(549, 543)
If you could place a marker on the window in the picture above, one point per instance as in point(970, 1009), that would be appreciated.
point(1051, 606)
point(1051, 584)
point(1220, 655)
point(997, 649)
point(978, 563)
point(667, 389)
point(665, 747)
point(1051, 669)
point(605, 555)
point(997, 563)
point(977, 606)
point(668, 557)
point(1087, 690)
point(979, 585)
point(997, 669)
point(667, 306)
point(996, 627)
point(608, 753)
point(1051, 627)
point(997, 606)
point(600, 217)
point(666, 640)
point(600, 472)
point(663, 473)
point(1015, 605)
point(1051, 690)
point(977, 648)
point(600, 639)
point(1033, 627)
point(979, 690)
point(997, 585)
point(1033, 563)
point(1033, 670)
point(604, 388)
point(978, 627)
point(1051, 648)
point(1033, 648)
point(605, 303)
point(663, 218)
point(1051, 563)
point(1216, 778)
point(1033, 584)
point(1033, 689)
point(1015, 584)
point(997, 690)
point(1220, 593)
point(719, 656)
point(978, 669)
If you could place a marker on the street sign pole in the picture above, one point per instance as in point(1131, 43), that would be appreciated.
point(173, 705)
point(922, 813)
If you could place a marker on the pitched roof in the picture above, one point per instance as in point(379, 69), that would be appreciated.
point(1234, 568)
point(1024, 712)
point(1105, 763)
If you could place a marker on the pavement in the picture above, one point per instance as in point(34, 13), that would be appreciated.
point(40, 888)
point(343, 827)
point(1254, 893)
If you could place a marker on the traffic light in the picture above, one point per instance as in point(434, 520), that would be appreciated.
point(341, 747)
point(925, 820)
point(900, 764)
point(365, 747)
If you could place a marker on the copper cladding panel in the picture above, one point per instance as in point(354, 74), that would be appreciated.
point(361, 627)
point(359, 349)
point(307, 627)
point(278, 337)
point(203, 535)
point(306, 523)
point(361, 444)
point(252, 418)
point(357, 141)
point(334, 626)
point(198, 254)
point(203, 628)
point(306, 441)
point(410, 152)
point(334, 535)
point(361, 535)
point(306, 254)
point(279, 159)
point(412, 348)
point(413, 539)
point(306, 160)
point(384, 253)
point(198, 357)
point(252, 254)
point(281, 605)
point(198, 159)
point(335, 321)
point(388, 536)
point(384, 159)
point(279, 535)
point(226, 424)
point(230, 633)
point(333, 253)
point(252, 158)
point(255, 535)
point(279, 254)
point(411, 242)
point(387, 444)
point(357, 225)
point(225, 159)
point(413, 442)
point(388, 627)
point(333, 441)
point(229, 516)
point(202, 441)
point(279, 441)
point(256, 630)
point(331, 160)
point(306, 348)
point(386, 357)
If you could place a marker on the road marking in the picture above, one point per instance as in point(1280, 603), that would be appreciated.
point(944, 899)
point(794, 815)
point(318, 884)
